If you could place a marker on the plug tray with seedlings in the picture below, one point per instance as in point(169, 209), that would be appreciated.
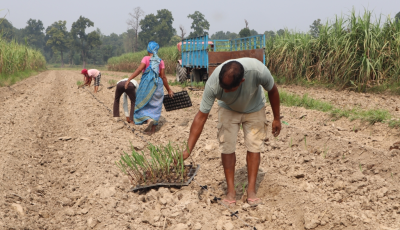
point(162, 166)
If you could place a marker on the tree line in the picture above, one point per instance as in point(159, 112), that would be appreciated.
point(76, 46)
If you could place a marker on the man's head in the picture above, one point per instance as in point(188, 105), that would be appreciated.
point(231, 76)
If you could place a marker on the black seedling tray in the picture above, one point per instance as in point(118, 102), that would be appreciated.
point(192, 173)
point(179, 101)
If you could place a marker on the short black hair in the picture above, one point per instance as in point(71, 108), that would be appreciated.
point(238, 74)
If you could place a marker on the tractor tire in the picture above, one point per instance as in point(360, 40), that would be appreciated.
point(180, 73)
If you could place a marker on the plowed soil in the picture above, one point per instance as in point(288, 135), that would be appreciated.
point(58, 147)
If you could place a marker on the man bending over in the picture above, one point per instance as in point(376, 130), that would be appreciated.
point(238, 85)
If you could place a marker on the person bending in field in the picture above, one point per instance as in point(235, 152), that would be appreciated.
point(92, 74)
point(150, 94)
point(238, 85)
point(131, 92)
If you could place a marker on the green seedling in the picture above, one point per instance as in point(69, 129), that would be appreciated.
point(360, 167)
point(162, 164)
point(244, 187)
point(79, 83)
point(325, 151)
point(285, 123)
point(112, 82)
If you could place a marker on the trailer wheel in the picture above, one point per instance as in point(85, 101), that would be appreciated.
point(195, 75)
point(180, 73)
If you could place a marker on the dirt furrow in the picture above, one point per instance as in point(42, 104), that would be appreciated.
point(58, 146)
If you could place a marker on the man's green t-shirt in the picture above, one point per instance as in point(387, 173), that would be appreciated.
point(248, 98)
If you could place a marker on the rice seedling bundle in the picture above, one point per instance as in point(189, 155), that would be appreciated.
point(129, 62)
point(16, 58)
point(351, 51)
point(163, 164)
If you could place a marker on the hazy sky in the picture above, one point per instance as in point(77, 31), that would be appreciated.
point(111, 16)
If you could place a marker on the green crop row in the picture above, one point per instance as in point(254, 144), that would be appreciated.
point(352, 51)
point(129, 62)
point(16, 60)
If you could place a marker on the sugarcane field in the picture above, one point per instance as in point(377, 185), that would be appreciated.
point(162, 127)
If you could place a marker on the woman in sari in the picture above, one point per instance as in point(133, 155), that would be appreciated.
point(150, 94)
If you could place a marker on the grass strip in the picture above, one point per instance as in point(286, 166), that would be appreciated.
point(10, 79)
point(371, 116)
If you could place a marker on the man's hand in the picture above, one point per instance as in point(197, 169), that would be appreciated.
point(126, 84)
point(128, 120)
point(276, 127)
point(186, 154)
point(171, 93)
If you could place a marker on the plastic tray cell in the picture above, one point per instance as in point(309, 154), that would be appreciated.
point(179, 101)
point(192, 173)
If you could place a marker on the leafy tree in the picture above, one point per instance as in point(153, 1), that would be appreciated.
point(165, 31)
point(253, 32)
point(33, 33)
point(157, 27)
point(397, 17)
point(314, 28)
point(84, 42)
point(200, 25)
point(232, 35)
point(280, 32)
point(245, 32)
point(174, 40)
point(221, 35)
point(269, 34)
point(6, 29)
point(58, 38)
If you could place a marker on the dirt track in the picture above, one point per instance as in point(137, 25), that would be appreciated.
point(58, 146)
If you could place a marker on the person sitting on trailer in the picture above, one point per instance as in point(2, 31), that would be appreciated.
point(150, 94)
point(130, 92)
point(92, 74)
point(238, 85)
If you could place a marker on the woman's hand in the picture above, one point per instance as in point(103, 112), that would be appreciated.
point(171, 93)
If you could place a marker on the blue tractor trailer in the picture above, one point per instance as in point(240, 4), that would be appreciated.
point(200, 56)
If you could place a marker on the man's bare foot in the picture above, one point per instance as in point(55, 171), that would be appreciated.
point(229, 200)
point(252, 199)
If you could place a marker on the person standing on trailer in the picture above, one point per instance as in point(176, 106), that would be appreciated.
point(150, 94)
point(92, 74)
point(238, 85)
point(130, 92)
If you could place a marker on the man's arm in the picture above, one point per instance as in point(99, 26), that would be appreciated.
point(195, 130)
point(274, 100)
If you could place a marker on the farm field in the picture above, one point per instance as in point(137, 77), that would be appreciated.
point(58, 147)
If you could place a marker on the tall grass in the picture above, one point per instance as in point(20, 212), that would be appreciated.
point(129, 62)
point(18, 60)
point(352, 51)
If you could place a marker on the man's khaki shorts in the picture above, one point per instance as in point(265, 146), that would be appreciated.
point(254, 130)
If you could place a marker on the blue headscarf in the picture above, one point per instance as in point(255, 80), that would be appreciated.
point(153, 47)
